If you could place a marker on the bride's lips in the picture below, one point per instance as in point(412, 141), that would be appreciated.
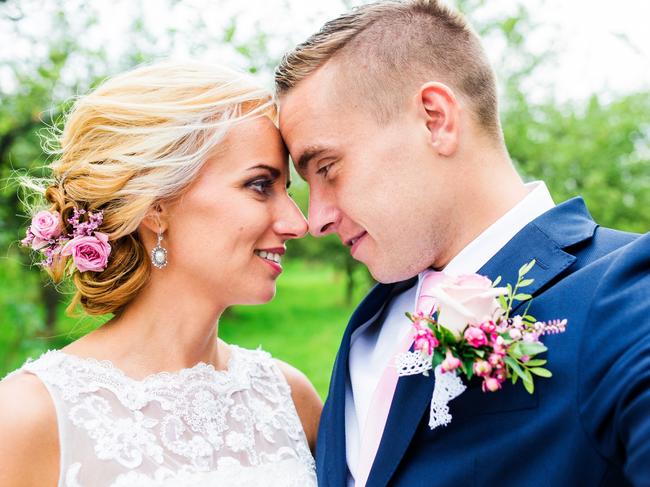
point(272, 257)
point(355, 242)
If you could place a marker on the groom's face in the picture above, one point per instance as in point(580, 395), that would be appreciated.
point(369, 183)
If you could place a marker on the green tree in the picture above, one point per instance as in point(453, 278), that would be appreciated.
point(38, 83)
point(599, 148)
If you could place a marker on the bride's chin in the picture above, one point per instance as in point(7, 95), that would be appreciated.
point(268, 296)
point(259, 296)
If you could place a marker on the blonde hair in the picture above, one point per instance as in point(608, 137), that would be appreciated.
point(386, 49)
point(140, 138)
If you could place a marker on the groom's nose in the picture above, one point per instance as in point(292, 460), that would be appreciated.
point(323, 214)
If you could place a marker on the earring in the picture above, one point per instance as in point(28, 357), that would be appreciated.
point(159, 253)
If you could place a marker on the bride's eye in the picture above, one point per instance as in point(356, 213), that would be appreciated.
point(261, 185)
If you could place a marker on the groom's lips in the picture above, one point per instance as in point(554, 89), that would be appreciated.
point(354, 242)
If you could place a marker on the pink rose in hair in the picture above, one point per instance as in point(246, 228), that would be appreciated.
point(89, 253)
point(45, 226)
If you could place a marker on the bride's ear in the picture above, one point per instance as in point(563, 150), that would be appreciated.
point(157, 218)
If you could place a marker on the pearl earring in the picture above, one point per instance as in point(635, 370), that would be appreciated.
point(159, 253)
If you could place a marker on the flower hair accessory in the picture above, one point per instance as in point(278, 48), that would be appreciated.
point(471, 332)
point(88, 247)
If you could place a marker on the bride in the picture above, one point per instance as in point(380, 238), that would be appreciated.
point(167, 204)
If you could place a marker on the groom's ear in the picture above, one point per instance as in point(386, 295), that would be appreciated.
point(440, 110)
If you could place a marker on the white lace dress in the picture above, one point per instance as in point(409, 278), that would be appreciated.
point(198, 427)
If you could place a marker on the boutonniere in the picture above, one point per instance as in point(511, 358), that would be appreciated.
point(470, 332)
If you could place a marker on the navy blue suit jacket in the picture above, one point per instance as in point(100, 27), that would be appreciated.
point(588, 425)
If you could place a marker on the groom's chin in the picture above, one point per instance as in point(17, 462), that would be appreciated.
point(388, 276)
point(391, 268)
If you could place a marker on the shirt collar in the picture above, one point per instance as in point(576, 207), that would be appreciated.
point(480, 250)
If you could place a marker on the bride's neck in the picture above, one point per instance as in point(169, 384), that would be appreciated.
point(162, 329)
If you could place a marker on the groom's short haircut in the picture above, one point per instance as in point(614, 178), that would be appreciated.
point(387, 49)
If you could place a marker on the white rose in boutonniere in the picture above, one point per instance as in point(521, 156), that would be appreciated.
point(466, 300)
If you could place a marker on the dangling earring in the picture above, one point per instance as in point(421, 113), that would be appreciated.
point(159, 253)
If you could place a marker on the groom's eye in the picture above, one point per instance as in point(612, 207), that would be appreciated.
point(324, 170)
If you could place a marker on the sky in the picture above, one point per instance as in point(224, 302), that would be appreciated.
point(600, 46)
point(603, 45)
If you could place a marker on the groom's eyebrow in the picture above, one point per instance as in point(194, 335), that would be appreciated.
point(308, 155)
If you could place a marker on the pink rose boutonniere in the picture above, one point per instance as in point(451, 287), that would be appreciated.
point(470, 332)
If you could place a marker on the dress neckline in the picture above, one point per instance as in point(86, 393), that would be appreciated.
point(200, 368)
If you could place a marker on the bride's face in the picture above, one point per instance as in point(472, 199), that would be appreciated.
point(228, 231)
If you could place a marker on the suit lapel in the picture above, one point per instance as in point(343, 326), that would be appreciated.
point(412, 396)
point(333, 418)
point(543, 240)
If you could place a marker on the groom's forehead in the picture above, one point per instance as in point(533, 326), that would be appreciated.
point(310, 129)
point(322, 93)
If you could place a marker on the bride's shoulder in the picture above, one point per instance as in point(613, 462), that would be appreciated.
point(303, 394)
point(24, 394)
point(300, 385)
point(24, 398)
point(28, 430)
point(308, 402)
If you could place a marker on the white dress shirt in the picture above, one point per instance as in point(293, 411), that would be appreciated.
point(370, 350)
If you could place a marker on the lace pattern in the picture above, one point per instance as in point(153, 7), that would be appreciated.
point(412, 363)
point(448, 386)
point(196, 427)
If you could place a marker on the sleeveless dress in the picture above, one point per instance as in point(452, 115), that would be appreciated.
point(198, 427)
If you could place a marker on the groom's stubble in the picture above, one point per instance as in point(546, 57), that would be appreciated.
point(380, 180)
point(411, 171)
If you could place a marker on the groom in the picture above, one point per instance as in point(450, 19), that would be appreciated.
point(390, 114)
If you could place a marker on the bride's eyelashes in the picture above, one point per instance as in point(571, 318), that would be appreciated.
point(262, 185)
point(263, 182)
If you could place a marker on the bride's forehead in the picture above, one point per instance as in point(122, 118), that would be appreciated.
point(246, 144)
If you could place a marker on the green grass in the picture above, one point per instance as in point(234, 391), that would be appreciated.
point(303, 325)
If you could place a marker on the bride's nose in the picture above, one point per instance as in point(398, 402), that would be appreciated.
point(289, 221)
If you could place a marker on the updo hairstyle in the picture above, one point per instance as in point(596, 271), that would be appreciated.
point(138, 139)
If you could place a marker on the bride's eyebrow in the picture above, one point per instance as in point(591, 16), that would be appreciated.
point(275, 172)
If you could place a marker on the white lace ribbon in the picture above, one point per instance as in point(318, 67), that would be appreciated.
point(412, 363)
point(448, 385)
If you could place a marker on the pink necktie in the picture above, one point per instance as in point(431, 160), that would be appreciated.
point(383, 395)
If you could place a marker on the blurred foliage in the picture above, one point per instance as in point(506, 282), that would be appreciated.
point(599, 149)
